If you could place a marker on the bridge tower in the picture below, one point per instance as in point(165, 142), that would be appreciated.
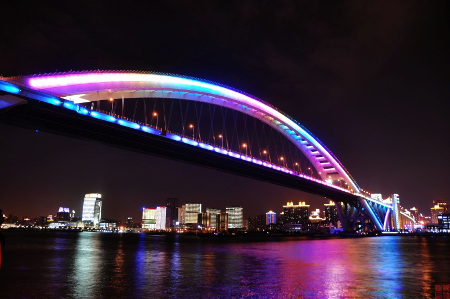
point(395, 212)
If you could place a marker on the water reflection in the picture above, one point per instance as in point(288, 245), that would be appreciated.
point(118, 275)
point(88, 261)
point(95, 265)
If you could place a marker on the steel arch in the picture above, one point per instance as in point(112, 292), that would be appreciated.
point(102, 85)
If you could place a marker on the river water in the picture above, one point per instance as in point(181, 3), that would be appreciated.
point(100, 265)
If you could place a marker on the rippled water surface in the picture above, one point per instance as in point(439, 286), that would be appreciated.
point(96, 265)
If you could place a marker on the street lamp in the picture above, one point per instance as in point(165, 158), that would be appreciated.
point(155, 114)
point(221, 138)
point(244, 145)
point(264, 152)
point(282, 160)
point(112, 104)
point(298, 166)
point(191, 126)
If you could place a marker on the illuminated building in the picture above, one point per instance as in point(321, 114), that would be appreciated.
point(296, 214)
point(192, 211)
point(235, 217)
point(182, 214)
point(271, 217)
point(415, 213)
point(331, 214)
point(63, 214)
point(435, 212)
point(92, 208)
point(222, 221)
point(172, 205)
point(204, 219)
point(148, 218)
point(444, 222)
point(440, 207)
point(161, 218)
point(441, 203)
point(154, 219)
point(315, 217)
point(212, 214)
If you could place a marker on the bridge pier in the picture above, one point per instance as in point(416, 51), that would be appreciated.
point(354, 217)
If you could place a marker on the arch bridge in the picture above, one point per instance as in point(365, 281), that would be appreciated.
point(196, 121)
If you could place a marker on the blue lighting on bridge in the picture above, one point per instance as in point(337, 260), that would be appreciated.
point(206, 146)
point(189, 141)
point(231, 154)
point(8, 87)
point(70, 105)
point(156, 132)
point(83, 111)
point(175, 137)
point(48, 99)
point(128, 124)
point(103, 116)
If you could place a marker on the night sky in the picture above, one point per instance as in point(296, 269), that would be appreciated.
point(369, 79)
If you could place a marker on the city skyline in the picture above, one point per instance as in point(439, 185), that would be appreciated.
point(376, 99)
point(437, 207)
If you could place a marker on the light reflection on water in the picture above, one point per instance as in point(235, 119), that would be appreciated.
point(87, 265)
point(95, 265)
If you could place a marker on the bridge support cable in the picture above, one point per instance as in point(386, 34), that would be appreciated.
point(211, 125)
point(224, 112)
point(198, 116)
point(164, 115)
point(235, 132)
point(170, 114)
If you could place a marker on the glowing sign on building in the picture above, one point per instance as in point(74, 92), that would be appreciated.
point(63, 210)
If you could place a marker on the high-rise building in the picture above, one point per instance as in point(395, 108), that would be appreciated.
point(271, 217)
point(435, 212)
point(182, 214)
point(63, 214)
point(415, 213)
point(161, 219)
point(192, 211)
point(444, 222)
point(92, 208)
point(154, 219)
point(331, 214)
point(235, 217)
point(204, 219)
point(296, 214)
point(441, 203)
point(212, 215)
point(222, 221)
point(315, 217)
point(148, 218)
point(172, 205)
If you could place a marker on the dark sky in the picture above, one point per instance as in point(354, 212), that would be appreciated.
point(369, 79)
